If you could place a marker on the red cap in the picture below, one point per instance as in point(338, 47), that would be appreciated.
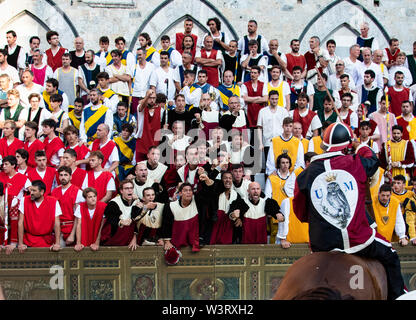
point(172, 256)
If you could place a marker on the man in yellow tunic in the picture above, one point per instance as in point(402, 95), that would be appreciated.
point(389, 216)
point(401, 154)
point(279, 186)
point(285, 143)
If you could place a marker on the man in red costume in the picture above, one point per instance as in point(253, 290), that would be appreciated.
point(398, 93)
point(69, 159)
point(107, 147)
point(330, 195)
point(55, 52)
point(102, 181)
point(188, 25)
point(308, 118)
point(16, 184)
point(43, 172)
point(9, 143)
point(210, 60)
point(68, 196)
point(89, 220)
point(71, 135)
point(39, 224)
point(150, 117)
point(32, 144)
point(54, 147)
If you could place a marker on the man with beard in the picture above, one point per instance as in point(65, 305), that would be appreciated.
point(68, 78)
point(252, 35)
point(149, 117)
point(402, 156)
point(93, 115)
point(89, 221)
point(102, 181)
point(188, 25)
point(69, 197)
point(253, 213)
point(87, 75)
point(119, 214)
point(368, 91)
point(39, 224)
point(294, 58)
point(398, 93)
point(407, 121)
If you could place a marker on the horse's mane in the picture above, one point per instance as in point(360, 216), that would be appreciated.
point(322, 293)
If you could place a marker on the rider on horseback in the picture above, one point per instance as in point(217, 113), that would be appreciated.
point(330, 195)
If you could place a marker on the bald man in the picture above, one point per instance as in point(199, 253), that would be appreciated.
point(78, 55)
point(107, 147)
point(253, 213)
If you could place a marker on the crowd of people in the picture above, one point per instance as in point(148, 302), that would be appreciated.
point(168, 147)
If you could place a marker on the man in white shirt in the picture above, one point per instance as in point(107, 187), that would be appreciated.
point(28, 87)
point(175, 58)
point(352, 64)
point(368, 64)
point(5, 68)
point(334, 80)
point(161, 79)
point(333, 58)
point(120, 76)
point(141, 79)
point(400, 66)
point(270, 121)
point(16, 55)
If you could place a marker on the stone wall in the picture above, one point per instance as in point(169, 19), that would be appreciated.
point(281, 19)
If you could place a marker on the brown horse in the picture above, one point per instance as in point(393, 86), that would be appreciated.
point(333, 275)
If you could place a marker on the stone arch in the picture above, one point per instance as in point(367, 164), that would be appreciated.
point(156, 23)
point(329, 17)
point(40, 16)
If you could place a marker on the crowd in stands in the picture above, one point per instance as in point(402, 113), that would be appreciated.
point(196, 143)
